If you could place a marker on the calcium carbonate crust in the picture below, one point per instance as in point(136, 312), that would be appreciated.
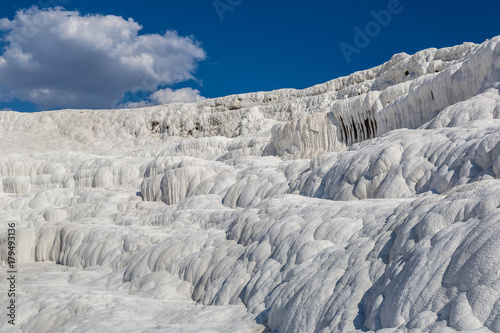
point(370, 203)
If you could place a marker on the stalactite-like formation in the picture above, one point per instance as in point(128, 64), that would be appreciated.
point(352, 131)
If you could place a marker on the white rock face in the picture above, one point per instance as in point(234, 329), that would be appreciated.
point(367, 203)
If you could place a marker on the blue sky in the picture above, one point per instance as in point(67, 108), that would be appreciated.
point(221, 47)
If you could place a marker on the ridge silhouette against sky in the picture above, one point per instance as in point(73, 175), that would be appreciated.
point(233, 46)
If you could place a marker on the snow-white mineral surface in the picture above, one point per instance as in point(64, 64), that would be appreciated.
point(367, 203)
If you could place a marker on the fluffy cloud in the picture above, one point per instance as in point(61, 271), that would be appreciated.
point(5, 94)
point(57, 59)
point(184, 95)
point(167, 96)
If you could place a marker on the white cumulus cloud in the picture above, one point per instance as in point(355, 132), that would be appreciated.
point(167, 96)
point(184, 95)
point(60, 59)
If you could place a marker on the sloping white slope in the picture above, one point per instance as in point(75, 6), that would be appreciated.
point(368, 203)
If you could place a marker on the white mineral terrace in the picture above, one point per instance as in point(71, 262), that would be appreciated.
point(367, 203)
